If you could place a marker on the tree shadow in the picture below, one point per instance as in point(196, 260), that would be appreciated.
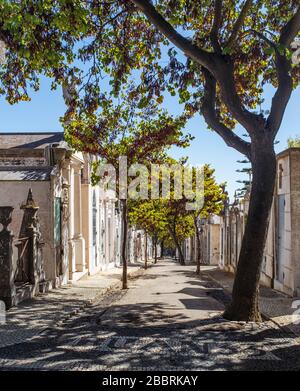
point(208, 344)
point(153, 336)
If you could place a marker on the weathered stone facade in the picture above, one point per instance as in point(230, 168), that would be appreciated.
point(78, 230)
point(79, 225)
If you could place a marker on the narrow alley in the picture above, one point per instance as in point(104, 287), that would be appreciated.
point(169, 319)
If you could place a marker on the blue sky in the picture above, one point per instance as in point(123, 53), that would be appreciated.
point(43, 112)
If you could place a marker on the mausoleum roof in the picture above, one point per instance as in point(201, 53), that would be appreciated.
point(30, 140)
point(23, 173)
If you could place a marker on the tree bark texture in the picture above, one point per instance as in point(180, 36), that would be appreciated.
point(245, 295)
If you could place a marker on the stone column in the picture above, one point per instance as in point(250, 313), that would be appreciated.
point(30, 218)
point(72, 263)
point(65, 228)
point(78, 238)
point(7, 286)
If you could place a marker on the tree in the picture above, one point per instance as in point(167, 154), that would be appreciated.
point(246, 183)
point(37, 37)
point(124, 130)
point(294, 142)
point(231, 49)
point(149, 216)
point(178, 221)
point(213, 203)
point(180, 226)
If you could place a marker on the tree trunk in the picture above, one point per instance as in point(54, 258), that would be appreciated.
point(245, 295)
point(146, 250)
point(177, 244)
point(124, 243)
point(155, 250)
point(162, 245)
point(198, 250)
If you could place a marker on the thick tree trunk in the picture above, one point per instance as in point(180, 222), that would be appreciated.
point(198, 249)
point(245, 295)
point(124, 244)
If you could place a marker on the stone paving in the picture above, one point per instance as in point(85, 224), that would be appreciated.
point(33, 316)
point(169, 319)
point(274, 305)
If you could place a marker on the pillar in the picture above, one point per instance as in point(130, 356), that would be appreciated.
point(7, 286)
point(78, 237)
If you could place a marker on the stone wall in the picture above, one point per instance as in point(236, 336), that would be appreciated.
point(295, 213)
point(15, 194)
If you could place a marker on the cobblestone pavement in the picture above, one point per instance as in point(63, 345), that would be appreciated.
point(31, 317)
point(169, 319)
point(274, 305)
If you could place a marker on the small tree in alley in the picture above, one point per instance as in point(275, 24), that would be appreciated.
point(124, 131)
point(149, 216)
point(183, 221)
point(216, 56)
point(213, 202)
point(179, 224)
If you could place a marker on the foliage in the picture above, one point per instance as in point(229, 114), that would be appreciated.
point(293, 142)
point(246, 183)
point(213, 195)
point(38, 37)
point(231, 51)
point(123, 129)
point(148, 215)
point(169, 219)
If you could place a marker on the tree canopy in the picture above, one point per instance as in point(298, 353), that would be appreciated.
point(217, 56)
point(38, 37)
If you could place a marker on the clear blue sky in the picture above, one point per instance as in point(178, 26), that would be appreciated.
point(43, 112)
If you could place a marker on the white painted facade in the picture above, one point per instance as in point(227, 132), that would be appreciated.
point(80, 224)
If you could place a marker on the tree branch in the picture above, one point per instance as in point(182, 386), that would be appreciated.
point(290, 30)
point(282, 95)
point(214, 34)
point(285, 82)
point(285, 85)
point(239, 23)
point(199, 55)
point(226, 80)
point(219, 66)
point(208, 111)
point(283, 68)
point(264, 38)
